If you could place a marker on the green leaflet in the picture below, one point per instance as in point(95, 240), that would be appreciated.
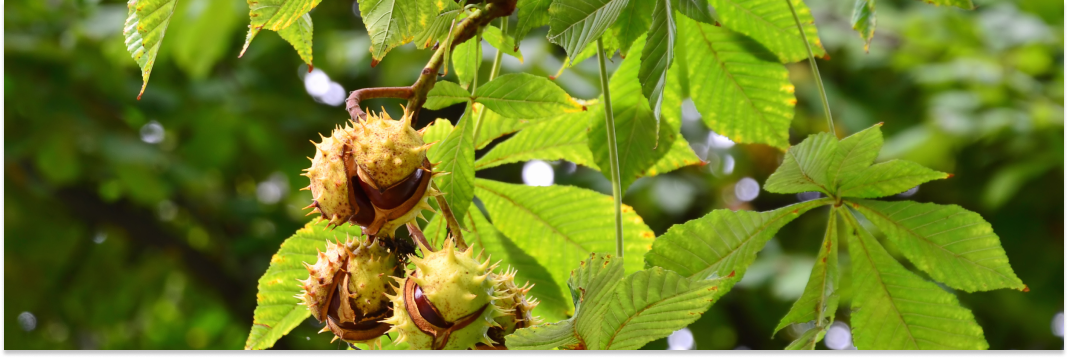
point(653, 303)
point(439, 26)
point(502, 42)
point(560, 225)
point(963, 4)
point(574, 24)
point(592, 286)
point(742, 92)
point(637, 141)
point(563, 137)
point(806, 166)
point(722, 243)
point(770, 23)
point(481, 235)
point(694, 9)
point(277, 310)
point(855, 153)
point(521, 95)
point(445, 94)
point(864, 20)
point(287, 17)
point(807, 340)
point(953, 245)
point(466, 59)
point(495, 126)
point(456, 155)
point(680, 154)
point(820, 298)
point(146, 23)
point(655, 59)
point(888, 178)
point(391, 23)
point(894, 308)
point(531, 14)
point(632, 23)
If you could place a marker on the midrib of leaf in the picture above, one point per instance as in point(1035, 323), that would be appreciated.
point(927, 241)
point(723, 66)
point(485, 164)
point(636, 314)
point(762, 19)
point(882, 284)
point(530, 213)
point(564, 3)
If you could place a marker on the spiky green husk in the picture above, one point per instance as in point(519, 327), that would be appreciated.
point(370, 267)
point(319, 286)
point(387, 150)
point(329, 177)
point(514, 302)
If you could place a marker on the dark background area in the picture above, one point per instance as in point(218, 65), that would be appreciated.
point(145, 224)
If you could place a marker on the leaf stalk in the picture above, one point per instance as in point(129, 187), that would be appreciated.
point(613, 155)
point(815, 70)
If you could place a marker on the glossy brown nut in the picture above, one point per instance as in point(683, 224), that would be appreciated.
point(364, 211)
point(398, 193)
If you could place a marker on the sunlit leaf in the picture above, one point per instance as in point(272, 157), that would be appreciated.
point(820, 299)
point(495, 126)
point(888, 178)
point(502, 42)
point(445, 94)
point(560, 225)
point(146, 23)
point(894, 308)
point(723, 243)
point(653, 303)
point(574, 24)
point(963, 4)
point(279, 16)
point(439, 26)
point(855, 153)
point(531, 14)
point(466, 60)
point(522, 95)
point(278, 311)
point(456, 155)
point(805, 167)
point(741, 91)
point(955, 246)
point(657, 55)
point(770, 23)
point(559, 138)
point(391, 23)
point(864, 20)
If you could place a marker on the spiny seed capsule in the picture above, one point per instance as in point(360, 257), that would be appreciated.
point(374, 174)
point(515, 303)
point(447, 302)
point(348, 287)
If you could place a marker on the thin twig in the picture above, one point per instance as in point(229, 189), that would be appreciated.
point(613, 155)
point(815, 70)
point(352, 104)
point(417, 234)
point(450, 219)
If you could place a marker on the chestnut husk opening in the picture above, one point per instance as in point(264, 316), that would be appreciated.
point(441, 332)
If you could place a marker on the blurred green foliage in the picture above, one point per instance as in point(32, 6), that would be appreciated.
point(145, 224)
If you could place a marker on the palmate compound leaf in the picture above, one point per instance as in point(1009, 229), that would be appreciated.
point(741, 90)
point(391, 23)
point(955, 246)
point(819, 301)
point(502, 42)
point(574, 24)
point(466, 60)
point(855, 153)
point(481, 235)
point(806, 166)
point(456, 155)
point(146, 23)
point(530, 14)
point(526, 96)
point(495, 126)
point(560, 138)
point(651, 304)
point(864, 20)
point(279, 16)
point(722, 243)
point(439, 26)
point(277, 310)
point(657, 55)
point(560, 225)
point(894, 308)
point(770, 23)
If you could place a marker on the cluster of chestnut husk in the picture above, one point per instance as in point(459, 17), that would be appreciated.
point(375, 174)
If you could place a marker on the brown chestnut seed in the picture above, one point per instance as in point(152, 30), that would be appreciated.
point(441, 332)
point(397, 194)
